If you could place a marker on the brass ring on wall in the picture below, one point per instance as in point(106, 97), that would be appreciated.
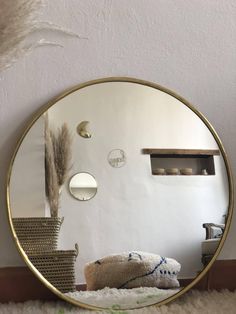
point(190, 106)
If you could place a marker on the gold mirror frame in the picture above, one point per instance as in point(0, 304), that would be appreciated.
point(185, 102)
point(73, 194)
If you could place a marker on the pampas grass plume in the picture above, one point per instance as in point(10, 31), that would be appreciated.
point(17, 21)
point(51, 180)
point(61, 142)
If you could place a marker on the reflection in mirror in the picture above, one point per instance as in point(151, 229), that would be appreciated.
point(154, 224)
point(82, 129)
point(116, 158)
point(83, 186)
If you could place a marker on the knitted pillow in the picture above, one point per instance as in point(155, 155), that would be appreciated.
point(131, 270)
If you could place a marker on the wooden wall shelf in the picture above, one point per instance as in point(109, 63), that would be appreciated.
point(181, 152)
point(196, 159)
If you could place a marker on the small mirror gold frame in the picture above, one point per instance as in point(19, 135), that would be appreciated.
point(160, 88)
point(80, 191)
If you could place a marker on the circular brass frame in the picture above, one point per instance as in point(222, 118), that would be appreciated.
point(185, 102)
point(69, 188)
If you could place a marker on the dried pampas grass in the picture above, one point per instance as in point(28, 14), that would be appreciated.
point(61, 142)
point(57, 163)
point(51, 180)
point(17, 21)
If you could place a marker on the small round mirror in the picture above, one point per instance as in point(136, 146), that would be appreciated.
point(83, 186)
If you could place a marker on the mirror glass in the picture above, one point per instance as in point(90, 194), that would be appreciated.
point(162, 203)
point(83, 186)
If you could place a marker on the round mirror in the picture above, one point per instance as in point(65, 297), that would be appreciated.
point(164, 204)
point(83, 186)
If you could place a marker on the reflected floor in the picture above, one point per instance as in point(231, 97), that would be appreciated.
point(122, 298)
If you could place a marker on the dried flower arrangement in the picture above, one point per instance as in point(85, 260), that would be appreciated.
point(18, 20)
point(61, 142)
point(57, 163)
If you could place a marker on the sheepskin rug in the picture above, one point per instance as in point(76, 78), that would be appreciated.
point(194, 302)
point(122, 298)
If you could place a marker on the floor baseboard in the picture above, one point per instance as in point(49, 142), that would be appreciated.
point(19, 284)
point(222, 275)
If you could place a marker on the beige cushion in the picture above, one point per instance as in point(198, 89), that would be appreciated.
point(209, 246)
point(131, 270)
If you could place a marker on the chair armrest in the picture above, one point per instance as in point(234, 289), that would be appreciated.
point(210, 229)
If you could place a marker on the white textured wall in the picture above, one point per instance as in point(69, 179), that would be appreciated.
point(188, 46)
point(27, 185)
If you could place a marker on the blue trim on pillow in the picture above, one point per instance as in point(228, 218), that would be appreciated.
point(131, 256)
point(163, 260)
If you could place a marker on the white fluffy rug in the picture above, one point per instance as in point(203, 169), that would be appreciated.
point(122, 298)
point(194, 302)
